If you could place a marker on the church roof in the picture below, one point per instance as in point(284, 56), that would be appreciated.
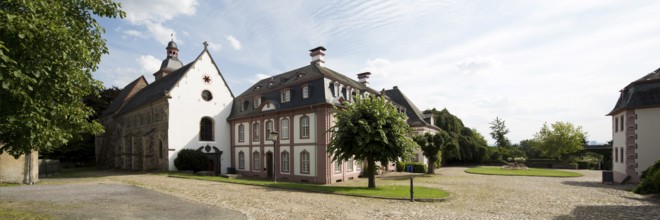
point(415, 117)
point(156, 90)
point(123, 96)
point(641, 93)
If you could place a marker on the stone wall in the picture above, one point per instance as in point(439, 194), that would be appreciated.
point(14, 170)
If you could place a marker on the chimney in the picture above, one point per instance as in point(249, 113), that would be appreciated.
point(362, 77)
point(317, 55)
point(428, 117)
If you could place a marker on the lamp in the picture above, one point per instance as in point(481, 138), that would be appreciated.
point(273, 136)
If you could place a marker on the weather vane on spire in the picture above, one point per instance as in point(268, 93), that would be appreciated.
point(172, 36)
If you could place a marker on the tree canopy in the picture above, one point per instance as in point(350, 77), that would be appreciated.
point(499, 132)
point(463, 144)
point(431, 145)
point(48, 51)
point(370, 128)
point(560, 138)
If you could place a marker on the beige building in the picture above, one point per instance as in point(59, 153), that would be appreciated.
point(636, 128)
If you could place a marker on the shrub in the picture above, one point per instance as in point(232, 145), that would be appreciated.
point(418, 167)
point(189, 159)
point(650, 180)
point(400, 165)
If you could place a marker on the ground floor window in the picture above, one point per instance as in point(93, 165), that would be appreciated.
point(241, 160)
point(285, 161)
point(349, 165)
point(337, 167)
point(255, 160)
point(304, 162)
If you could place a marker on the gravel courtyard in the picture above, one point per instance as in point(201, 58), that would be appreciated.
point(473, 197)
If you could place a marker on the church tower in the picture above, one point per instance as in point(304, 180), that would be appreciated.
point(171, 63)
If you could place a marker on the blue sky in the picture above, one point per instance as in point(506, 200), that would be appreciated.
point(528, 62)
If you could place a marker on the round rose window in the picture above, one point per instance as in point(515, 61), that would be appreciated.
point(206, 95)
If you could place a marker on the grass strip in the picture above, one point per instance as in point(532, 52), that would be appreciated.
point(492, 170)
point(391, 192)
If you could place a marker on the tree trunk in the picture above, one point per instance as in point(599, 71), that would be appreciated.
point(371, 172)
point(27, 175)
point(431, 167)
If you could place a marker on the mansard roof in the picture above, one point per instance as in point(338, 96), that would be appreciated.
point(313, 75)
point(415, 117)
point(641, 93)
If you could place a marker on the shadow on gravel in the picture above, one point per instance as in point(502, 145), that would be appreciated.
point(400, 176)
point(626, 187)
point(90, 172)
point(613, 212)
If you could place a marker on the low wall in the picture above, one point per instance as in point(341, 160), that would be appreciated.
point(14, 170)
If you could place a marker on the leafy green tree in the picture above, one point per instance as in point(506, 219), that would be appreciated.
point(527, 146)
point(370, 128)
point(431, 145)
point(48, 51)
point(82, 151)
point(499, 132)
point(558, 139)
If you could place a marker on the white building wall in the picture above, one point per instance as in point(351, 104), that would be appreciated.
point(312, 158)
point(246, 152)
point(186, 109)
point(648, 137)
point(618, 142)
point(296, 129)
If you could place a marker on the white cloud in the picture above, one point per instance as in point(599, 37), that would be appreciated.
point(214, 46)
point(258, 77)
point(234, 42)
point(134, 33)
point(153, 15)
point(477, 65)
point(149, 64)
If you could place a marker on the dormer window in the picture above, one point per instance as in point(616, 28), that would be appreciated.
point(257, 102)
point(244, 105)
point(337, 91)
point(285, 96)
point(348, 93)
point(305, 91)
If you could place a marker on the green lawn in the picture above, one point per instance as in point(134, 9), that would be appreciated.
point(491, 170)
point(395, 191)
point(9, 184)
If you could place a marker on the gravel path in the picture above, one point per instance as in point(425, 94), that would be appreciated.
point(473, 197)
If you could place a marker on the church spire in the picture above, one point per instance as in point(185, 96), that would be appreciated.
point(171, 63)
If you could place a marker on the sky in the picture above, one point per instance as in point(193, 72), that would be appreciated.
point(527, 62)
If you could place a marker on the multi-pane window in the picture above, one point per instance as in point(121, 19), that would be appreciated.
point(337, 167)
point(255, 160)
point(359, 165)
point(304, 162)
point(241, 160)
point(304, 127)
point(285, 96)
point(241, 133)
point(349, 165)
point(269, 129)
point(284, 128)
point(285, 161)
point(622, 124)
point(255, 131)
point(616, 124)
point(305, 92)
point(206, 129)
point(257, 102)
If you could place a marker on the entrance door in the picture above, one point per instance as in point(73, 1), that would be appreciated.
point(211, 166)
point(269, 164)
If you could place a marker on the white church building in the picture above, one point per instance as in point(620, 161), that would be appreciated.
point(185, 107)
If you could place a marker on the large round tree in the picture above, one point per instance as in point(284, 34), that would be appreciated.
point(48, 51)
point(370, 128)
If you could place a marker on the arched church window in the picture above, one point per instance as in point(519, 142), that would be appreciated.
point(206, 129)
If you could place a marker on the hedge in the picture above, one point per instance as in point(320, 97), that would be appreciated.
point(189, 159)
point(418, 167)
point(650, 182)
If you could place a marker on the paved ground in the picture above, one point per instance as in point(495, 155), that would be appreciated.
point(106, 200)
point(473, 197)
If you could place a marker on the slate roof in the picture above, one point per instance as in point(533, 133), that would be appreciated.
point(641, 93)
point(121, 97)
point(155, 90)
point(415, 116)
point(269, 89)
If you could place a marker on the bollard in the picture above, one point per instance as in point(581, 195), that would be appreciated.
point(412, 192)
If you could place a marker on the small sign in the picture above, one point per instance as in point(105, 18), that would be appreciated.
point(171, 149)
